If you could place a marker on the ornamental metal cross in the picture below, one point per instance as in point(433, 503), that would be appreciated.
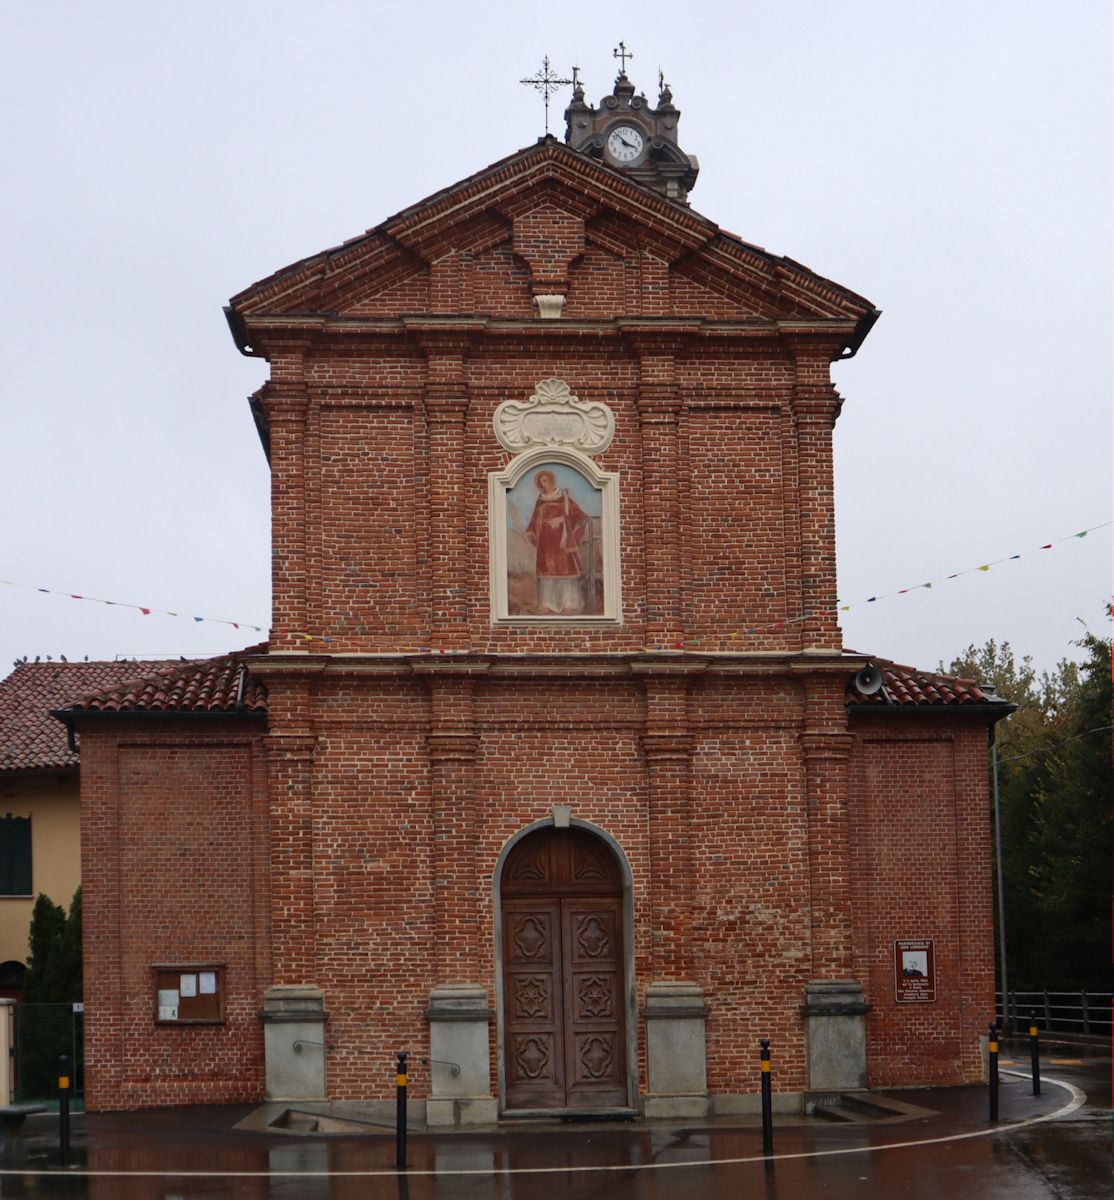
point(546, 82)
point(622, 54)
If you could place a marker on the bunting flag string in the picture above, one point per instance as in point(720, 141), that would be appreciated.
point(145, 609)
point(982, 568)
point(847, 607)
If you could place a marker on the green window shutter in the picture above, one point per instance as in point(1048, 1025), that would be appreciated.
point(15, 856)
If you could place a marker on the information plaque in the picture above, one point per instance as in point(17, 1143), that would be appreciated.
point(914, 970)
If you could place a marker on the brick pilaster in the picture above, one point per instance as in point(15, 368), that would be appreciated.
point(446, 401)
point(667, 745)
point(826, 750)
point(659, 406)
point(452, 745)
point(290, 772)
point(816, 405)
point(286, 404)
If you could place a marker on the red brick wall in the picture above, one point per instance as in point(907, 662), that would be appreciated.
point(174, 870)
point(357, 493)
point(923, 868)
point(750, 846)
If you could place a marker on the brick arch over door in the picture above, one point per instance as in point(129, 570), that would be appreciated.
point(564, 973)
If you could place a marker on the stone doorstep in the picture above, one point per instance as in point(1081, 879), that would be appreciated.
point(558, 1116)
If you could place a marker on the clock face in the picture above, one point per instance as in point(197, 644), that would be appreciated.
point(624, 143)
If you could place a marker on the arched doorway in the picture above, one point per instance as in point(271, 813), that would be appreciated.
point(563, 967)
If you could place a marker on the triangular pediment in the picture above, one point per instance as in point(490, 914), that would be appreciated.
point(543, 215)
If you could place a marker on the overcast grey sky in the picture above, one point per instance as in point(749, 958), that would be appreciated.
point(950, 161)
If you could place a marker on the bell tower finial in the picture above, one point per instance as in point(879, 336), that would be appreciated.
point(627, 133)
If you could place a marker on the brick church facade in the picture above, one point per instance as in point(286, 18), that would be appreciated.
point(553, 769)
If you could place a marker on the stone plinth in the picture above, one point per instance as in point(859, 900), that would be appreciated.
point(835, 1035)
point(294, 1019)
point(459, 1068)
point(676, 1063)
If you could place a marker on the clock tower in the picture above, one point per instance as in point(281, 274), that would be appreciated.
point(629, 135)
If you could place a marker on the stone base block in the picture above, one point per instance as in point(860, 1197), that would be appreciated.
point(459, 1066)
point(294, 1019)
point(676, 1066)
point(835, 1035)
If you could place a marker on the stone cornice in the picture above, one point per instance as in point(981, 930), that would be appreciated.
point(271, 332)
point(553, 666)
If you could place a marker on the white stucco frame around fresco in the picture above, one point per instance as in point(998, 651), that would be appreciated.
point(606, 580)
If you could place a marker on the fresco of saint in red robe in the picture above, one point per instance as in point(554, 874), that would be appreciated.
point(563, 536)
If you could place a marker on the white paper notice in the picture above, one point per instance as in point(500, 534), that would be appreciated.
point(168, 997)
point(188, 984)
point(168, 1012)
point(208, 983)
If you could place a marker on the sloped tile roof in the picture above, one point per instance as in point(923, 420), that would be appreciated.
point(30, 738)
point(215, 685)
point(909, 688)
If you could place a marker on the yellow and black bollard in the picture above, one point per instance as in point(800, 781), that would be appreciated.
point(1035, 1054)
point(64, 1089)
point(767, 1100)
point(400, 1111)
point(992, 1053)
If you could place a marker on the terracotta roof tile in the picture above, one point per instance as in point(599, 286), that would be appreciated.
point(907, 687)
point(216, 685)
point(30, 738)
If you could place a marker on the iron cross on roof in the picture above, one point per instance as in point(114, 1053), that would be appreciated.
point(546, 82)
point(622, 54)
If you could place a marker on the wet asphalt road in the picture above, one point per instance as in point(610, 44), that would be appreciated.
point(1062, 1159)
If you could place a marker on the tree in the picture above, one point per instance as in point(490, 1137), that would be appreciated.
point(1068, 845)
point(1054, 785)
point(45, 1021)
point(48, 929)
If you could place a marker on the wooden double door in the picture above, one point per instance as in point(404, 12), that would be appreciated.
point(564, 994)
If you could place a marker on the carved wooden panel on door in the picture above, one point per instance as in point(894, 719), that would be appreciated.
point(564, 1024)
point(532, 1005)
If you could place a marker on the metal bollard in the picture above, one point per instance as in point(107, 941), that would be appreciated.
point(992, 1051)
point(64, 1088)
point(1035, 1053)
point(767, 1100)
point(400, 1111)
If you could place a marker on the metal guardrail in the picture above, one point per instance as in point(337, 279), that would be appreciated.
point(1082, 1012)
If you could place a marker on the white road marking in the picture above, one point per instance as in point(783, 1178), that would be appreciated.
point(1077, 1100)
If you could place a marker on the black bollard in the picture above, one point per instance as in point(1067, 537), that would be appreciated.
point(400, 1111)
point(64, 1088)
point(767, 1100)
point(992, 1052)
point(1035, 1054)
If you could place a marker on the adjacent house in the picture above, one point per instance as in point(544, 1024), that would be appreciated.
point(39, 795)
